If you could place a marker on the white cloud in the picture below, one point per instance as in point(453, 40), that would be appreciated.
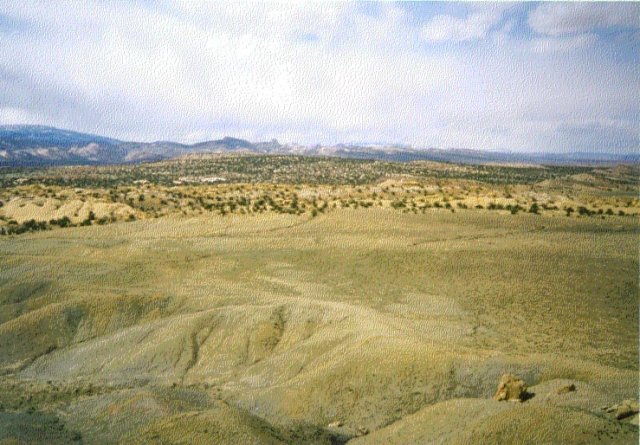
point(562, 44)
point(311, 73)
point(580, 17)
point(17, 116)
point(475, 26)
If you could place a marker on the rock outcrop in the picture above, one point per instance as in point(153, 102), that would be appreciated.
point(566, 389)
point(511, 388)
point(623, 410)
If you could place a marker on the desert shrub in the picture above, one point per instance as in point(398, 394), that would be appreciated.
point(61, 222)
point(28, 226)
point(584, 211)
point(513, 208)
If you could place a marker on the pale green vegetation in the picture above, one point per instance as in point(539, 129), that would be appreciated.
point(389, 322)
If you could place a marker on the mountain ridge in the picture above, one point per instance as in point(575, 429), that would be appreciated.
point(38, 145)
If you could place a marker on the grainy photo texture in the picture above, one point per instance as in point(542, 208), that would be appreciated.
point(319, 223)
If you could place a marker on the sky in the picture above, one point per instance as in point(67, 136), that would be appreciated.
point(533, 77)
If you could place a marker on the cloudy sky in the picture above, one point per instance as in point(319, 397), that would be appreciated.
point(525, 77)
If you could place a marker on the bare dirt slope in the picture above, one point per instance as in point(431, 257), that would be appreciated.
point(364, 325)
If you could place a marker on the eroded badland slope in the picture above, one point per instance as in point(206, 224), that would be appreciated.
point(368, 325)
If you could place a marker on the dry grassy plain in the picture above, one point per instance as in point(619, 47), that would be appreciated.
point(370, 325)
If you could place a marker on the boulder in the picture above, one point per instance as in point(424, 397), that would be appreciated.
point(362, 431)
point(511, 388)
point(626, 409)
point(566, 389)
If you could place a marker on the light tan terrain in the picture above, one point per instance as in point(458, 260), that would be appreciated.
point(269, 328)
point(319, 313)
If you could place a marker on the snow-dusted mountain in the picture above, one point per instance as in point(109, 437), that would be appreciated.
point(30, 145)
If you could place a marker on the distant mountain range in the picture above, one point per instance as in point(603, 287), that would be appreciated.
point(30, 145)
